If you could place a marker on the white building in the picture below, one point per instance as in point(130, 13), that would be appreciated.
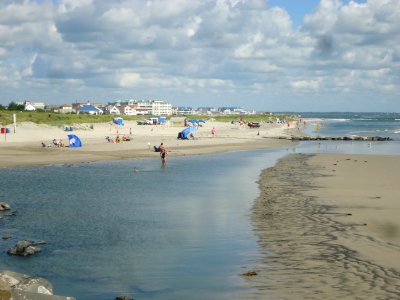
point(185, 111)
point(39, 105)
point(141, 107)
point(29, 106)
point(90, 110)
point(161, 108)
point(144, 107)
point(129, 110)
point(65, 109)
point(113, 110)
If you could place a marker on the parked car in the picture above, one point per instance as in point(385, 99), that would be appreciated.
point(145, 122)
point(254, 124)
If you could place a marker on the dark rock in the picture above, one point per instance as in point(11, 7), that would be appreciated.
point(30, 250)
point(24, 248)
point(250, 273)
point(123, 297)
point(4, 206)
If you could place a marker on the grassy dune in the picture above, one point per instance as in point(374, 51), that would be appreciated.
point(57, 119)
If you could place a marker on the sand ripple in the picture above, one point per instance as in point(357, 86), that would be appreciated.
point(298, 238)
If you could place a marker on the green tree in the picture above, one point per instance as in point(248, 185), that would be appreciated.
point(15, 106)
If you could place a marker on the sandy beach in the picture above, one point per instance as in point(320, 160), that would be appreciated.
point(23, 148)
point(328, 228)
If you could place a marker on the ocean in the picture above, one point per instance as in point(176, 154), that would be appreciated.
point(178, 232)
point(357, 124)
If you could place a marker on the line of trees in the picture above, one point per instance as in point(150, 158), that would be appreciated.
point(13, 106)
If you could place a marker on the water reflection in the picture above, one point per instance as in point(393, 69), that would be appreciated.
point(177, 232)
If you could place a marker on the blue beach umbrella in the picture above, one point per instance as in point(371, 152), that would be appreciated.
point(74, 141)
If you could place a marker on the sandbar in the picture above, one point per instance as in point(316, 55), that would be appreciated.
point(328, 228)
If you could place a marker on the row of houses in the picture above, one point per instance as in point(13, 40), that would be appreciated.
point(135, 107)
point(130, 108)
point(187, 111)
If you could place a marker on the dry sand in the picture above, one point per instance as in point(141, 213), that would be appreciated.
point(23, 148)
point(328, 228)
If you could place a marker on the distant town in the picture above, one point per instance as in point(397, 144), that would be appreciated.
point(131, 108)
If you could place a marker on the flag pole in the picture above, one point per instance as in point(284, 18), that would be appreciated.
point(15, 122)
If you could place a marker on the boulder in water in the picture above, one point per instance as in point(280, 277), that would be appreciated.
point(4, 206)
point(123, 297)
point(24, 248)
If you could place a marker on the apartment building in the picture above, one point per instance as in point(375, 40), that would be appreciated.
point(161, 108)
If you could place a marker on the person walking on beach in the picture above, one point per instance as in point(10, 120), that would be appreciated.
point(214, 132)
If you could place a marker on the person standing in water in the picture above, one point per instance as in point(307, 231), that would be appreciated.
point(163, 154)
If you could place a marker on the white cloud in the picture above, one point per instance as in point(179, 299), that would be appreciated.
point(181, 48)
point(305, 84)
point(128, 79)
point(3, 51)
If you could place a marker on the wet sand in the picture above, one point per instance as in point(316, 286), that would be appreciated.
point(328, 228)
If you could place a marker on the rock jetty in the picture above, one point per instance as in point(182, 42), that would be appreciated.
point(17, 286)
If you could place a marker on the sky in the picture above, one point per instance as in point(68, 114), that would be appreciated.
point(270, 55)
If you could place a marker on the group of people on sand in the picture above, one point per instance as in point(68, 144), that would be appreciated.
point(55, 143)
point(117, 140)
point(58, 143)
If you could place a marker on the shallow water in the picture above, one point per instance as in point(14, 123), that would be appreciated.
point(177, 232)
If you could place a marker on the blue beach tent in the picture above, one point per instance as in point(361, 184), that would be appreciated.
point(184, 134)
point(74, 141)
point(196, 122)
